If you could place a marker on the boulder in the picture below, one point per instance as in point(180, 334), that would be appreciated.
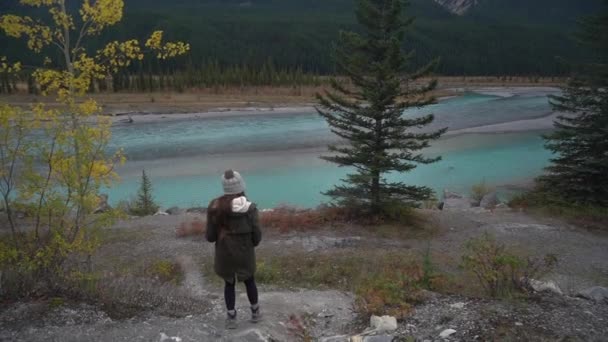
point(597, 294)
point(489, 201)
point(459, 305)
point(449, 194)
point(165, 338)
point(251, 335)
point(545, 286)
point(447, 333)
point(160, 213)
point(174, 211)
point(103, 205)
point(454, 201)
point(456, 204)
point(384, 323)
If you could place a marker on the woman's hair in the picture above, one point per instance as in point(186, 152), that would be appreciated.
point(220, 211)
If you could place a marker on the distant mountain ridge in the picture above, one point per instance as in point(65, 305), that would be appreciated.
point(459, 7)
point(472, 37)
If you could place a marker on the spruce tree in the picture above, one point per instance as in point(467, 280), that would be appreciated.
point(144, 205)
point(579, 170)
point(368, 113)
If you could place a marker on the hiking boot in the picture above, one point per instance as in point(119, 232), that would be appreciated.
point(256, 314)
point(231, 321)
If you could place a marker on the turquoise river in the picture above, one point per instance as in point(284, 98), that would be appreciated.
point(494, 136)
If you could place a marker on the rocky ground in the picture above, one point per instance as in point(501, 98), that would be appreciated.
point(193, 309)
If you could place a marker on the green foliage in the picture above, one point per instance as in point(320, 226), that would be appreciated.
point(210, 75)
point(519, 37)
point(54, 161)
point(368, 113)
point(579, 169)
point(384, 282)
point(428, 269)
point(499, 271)
point(56, 302)
point(166, 271)
point(549, 203)
point(144, 204)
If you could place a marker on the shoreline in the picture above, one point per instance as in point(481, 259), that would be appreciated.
point(540, 123)
point(255, 100)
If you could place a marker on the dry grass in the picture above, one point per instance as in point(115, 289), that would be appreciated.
point(545, 204)
point(165, 271)
point(286, 219)
point(406, 223)
point(215, 98)
point(191, 228)
point(385, 282)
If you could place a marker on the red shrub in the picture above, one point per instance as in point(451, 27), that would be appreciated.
point(192, 228)
point(287, 219)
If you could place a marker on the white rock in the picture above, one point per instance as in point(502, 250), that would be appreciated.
point(161, 213)
point(384, 323)
point(447, 333)
point(519, 324)
point(450, 194)
point(164, 337)
point(459, 305)
point(456, 204)
point(542, 286)
point(502, 206)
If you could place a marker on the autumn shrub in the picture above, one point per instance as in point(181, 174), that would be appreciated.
point(54, 160)
point(166, 271)
point(299, 326)
point(499, 271)
point(479, 190)
point(383, 282)
point(286, 219)
point(195, 227)
point(390, 291)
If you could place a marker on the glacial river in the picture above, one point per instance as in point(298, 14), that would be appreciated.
point(277, 152)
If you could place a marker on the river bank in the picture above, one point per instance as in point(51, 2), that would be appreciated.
point(494, 136)
point(223, 100)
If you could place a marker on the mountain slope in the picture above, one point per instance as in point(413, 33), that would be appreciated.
point(498, 37)
point(459, 7)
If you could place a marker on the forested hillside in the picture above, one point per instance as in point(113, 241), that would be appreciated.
point(496, 37)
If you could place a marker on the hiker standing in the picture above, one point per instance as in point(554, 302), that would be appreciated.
point(232, 223)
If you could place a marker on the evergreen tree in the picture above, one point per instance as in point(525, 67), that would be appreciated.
point(368, 114)
point(579, 171)
point(144, 205)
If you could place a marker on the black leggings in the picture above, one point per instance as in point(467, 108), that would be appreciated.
point(230, 293)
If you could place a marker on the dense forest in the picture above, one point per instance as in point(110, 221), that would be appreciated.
point(295, 37)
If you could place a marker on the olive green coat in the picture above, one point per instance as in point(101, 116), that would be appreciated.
point(235, 248)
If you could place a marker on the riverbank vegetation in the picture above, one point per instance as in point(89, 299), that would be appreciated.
point(575, 184)
point(368, 116)
point(54, 161)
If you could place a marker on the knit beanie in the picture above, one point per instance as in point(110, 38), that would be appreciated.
point(233, 183)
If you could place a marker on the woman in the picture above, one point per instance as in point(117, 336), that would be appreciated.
point(232, 223)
